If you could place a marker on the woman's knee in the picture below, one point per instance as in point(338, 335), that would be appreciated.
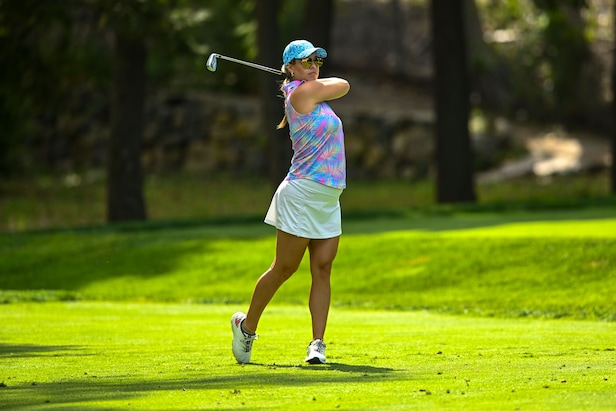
point(283, 271)
point(321, 271)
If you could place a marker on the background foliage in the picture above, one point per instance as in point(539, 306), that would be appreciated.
point(59, 54)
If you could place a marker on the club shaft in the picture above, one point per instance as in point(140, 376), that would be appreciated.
point(249, 64)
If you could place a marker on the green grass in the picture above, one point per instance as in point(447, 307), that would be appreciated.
point(504, 305)
point(177, 357)
point(510, 265)
point(76, 200)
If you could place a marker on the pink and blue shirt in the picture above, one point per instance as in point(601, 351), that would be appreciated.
point(318, 143)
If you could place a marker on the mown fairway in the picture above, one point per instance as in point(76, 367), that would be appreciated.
point(169, 356)
point(477, 311)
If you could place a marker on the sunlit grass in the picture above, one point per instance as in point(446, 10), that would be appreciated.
point(178, 357)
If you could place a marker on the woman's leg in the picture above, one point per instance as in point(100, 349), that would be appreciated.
point(322, 254)
point(289, 253)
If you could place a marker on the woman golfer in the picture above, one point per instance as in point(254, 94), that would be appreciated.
point(305, 208)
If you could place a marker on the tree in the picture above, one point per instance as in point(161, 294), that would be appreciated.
point(124, 172)
point(576, 96)
point(490, 74)
point(453, 150)
point(132, 24)
point(269, 54)
point(318, 30)
point(30, 72)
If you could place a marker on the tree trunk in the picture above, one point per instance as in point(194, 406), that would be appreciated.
point(316, 28)
point(124, 174)
point(279, 146)
point(453, 150)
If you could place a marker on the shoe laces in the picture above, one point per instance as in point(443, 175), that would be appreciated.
point(318, 345)
point(248, 339)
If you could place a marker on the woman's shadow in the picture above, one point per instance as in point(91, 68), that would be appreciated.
point(332, 366)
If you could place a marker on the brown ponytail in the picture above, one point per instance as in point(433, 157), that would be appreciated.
point(287, 79)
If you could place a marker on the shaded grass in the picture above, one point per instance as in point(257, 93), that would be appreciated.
point(172, 357)
point(550, 264)
point(75, 200)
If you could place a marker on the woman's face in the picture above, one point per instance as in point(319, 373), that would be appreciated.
point(301, 72)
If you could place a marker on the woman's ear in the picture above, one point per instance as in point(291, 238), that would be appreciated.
point(289, 69)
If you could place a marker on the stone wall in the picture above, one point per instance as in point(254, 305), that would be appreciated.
point(214, 133)
point(388, 135)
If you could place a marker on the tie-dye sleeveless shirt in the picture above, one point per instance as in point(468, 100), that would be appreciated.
point(318, 143)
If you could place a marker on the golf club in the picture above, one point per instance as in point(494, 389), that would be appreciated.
point(212, 63)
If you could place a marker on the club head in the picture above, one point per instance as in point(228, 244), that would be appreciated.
point(211, 62)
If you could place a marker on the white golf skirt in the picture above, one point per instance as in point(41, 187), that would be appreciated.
point(306, 209)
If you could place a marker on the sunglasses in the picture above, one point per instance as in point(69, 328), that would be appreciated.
point(307, 62)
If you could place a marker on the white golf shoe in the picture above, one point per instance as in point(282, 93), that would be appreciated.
point(242, 342)
point(316, 352)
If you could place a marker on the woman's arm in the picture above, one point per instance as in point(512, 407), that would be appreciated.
point(306, 97)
